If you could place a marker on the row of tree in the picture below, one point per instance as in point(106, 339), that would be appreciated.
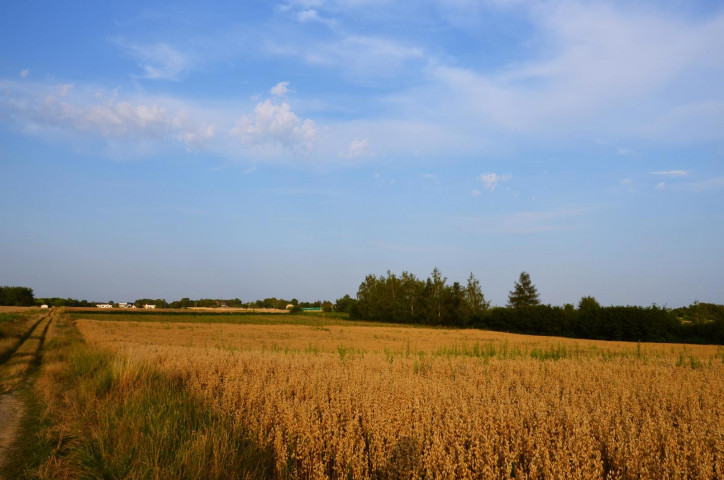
point(271, 302)
point(407, 299)
point(16, 296)
point(23, 296)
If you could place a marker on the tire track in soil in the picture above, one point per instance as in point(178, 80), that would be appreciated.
point(11, 406)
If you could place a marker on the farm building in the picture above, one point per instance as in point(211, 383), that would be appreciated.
point(104, 305)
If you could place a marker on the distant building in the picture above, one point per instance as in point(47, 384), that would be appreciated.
point(124, 305)
point(148, 305)
point(43, 306)
point(289, 306)
point(104, 305)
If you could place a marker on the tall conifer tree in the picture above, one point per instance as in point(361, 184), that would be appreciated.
point(524, 294)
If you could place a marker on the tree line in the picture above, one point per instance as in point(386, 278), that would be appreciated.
point(16, 296)
point(407, 299)
point(24, 297)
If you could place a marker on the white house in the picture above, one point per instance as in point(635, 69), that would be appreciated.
point(104, 305)
point(43, 306)
point(148, 305)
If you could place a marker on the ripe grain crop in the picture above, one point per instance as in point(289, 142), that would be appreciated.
point(347, 401)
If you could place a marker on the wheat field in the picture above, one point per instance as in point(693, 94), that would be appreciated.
point(393, 402)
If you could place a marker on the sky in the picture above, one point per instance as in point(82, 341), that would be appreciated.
point(251, 149)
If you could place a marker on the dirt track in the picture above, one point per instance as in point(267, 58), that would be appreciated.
point(15, 371)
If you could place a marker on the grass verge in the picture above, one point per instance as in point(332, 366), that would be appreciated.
point(92, 415)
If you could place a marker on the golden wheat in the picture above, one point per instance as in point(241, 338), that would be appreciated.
point(390, 402)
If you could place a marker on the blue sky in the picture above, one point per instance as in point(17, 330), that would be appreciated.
point(256, 149)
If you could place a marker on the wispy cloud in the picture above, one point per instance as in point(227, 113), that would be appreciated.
point(25, 73)
point(357, 148)
point(672, 173)
point(491, 180)
point(308, 15)
point(358, 58)
point(432, 177)
point(607, 70)
point(158, 61)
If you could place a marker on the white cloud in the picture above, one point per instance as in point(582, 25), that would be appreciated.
point(491, 180)
point(84, 112)
point(122, 119)
point(672, 173)
point(159, 61)
point(198, 139)
point(311, 15)
point(661, 186)
point(142, 125)
point(25, 73)
point(603, 69)
point(280, 89)
point(625, 181)
point(277, 124)
point(357, 148)
point(476, 192)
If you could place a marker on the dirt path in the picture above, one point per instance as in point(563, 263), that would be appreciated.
point(15, 372)
point(11, 409)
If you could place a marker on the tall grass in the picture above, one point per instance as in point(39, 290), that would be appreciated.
point(96, 415)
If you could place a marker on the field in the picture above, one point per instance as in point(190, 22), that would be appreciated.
point(316, 397)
